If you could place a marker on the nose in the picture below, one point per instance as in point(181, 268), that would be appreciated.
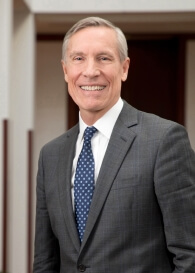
point(91, 69)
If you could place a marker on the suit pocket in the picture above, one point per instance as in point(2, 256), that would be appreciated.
point(130, 194)
point(125, 182)
point(120, 195)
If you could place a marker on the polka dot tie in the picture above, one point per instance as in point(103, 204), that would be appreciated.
point(84, 182)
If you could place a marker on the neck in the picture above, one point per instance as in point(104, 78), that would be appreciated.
point(91, 117)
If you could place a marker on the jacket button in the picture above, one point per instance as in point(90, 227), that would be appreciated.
point(81, 268)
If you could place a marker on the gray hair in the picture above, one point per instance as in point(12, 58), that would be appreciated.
point(97, 22)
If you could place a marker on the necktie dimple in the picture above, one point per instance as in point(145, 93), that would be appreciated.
point(84, 182)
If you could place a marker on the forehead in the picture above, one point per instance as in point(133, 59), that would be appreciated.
point(93, 37)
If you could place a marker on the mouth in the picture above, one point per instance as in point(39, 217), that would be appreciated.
point(92, 87)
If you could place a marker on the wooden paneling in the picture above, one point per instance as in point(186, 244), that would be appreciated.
point(30, 201)
point(156, 77)
point(5, 194)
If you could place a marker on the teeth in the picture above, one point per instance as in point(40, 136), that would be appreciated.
point(92, 88)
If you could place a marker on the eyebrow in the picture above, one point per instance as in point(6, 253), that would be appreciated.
point(105, 53)
point(80, 53)
point(76, 53)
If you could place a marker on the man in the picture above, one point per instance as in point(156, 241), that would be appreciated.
point(140, 216)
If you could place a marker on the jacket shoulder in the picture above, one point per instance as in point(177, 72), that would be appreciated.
point(148, 123)
point(59, 141)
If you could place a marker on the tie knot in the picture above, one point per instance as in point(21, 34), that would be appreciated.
point(89, 132)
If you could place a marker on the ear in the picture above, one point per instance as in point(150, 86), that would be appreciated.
point(64, 70)
point(125, 64)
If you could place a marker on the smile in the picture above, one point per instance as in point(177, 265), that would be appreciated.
point(92, 88)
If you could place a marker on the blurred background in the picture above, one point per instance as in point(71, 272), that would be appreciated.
point(35, 106)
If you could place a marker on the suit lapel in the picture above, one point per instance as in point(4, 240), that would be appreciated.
point(119, 144)
point(65, 172)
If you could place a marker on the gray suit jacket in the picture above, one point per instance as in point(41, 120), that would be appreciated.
point(142, 216)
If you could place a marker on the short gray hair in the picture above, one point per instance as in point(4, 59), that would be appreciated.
point(97, 22)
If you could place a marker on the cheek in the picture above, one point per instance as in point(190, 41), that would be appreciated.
point(71, 74)
point(70, 79)
point(116, 77)
point(116, 80)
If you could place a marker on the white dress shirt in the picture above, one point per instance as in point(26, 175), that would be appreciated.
point(99, 141)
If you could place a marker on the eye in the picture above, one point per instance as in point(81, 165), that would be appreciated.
point(78, 58)
point(103, 58)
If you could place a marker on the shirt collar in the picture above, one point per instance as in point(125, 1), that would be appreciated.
point(106, 123)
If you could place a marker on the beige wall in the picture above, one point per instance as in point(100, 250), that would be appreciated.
point(21, 120)
point(51, 95)
point(50, 100)
point(190, 91)
point(5, 79)
point(110, 6)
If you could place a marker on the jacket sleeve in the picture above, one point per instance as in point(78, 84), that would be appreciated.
point(175, 189)
point(46, 253)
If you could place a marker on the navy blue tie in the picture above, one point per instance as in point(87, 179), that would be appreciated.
point(84, 182)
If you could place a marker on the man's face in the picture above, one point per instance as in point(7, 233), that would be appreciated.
point(93, 70)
